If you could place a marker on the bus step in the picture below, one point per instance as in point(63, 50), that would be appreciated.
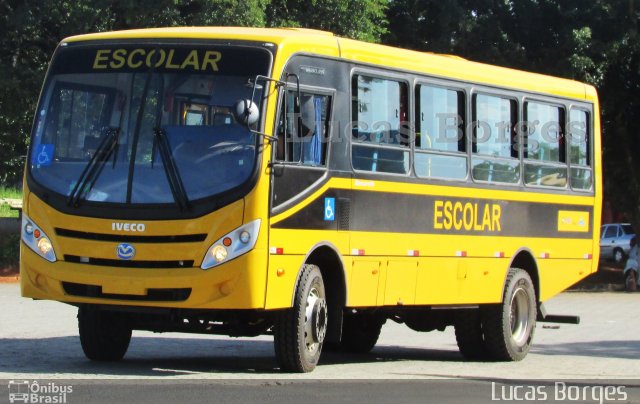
point(543, 317)
point(554, 318)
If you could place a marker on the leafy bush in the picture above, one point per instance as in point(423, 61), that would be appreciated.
point(9, 251)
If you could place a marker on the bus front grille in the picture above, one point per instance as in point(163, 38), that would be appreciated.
point(128, 263)
point(181, 238)
point(153, 295)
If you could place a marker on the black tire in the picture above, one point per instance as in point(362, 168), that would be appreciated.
point(469, 335)
point(299, 331)
point(618, 255)
point(508, 327)
point(104, 336)
point(360, 332)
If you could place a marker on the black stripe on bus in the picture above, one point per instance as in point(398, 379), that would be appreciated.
point(153, 295)
point(184, 238)
point(128, 263)
point(423, 214)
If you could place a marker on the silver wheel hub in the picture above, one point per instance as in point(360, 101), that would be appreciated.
point(315, 320)
point(519, 318)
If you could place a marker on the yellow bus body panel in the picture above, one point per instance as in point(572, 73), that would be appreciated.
point(237, 284)
point(384, 275)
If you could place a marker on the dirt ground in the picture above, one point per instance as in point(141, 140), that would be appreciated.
point(9, 274)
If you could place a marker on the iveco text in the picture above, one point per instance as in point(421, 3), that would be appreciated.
point(137, 227)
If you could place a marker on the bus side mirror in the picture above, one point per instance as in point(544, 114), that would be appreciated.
point(307, 119)
point(246, 112)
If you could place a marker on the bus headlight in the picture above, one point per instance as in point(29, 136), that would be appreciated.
point(232, 245)
point(44, 245)
point(219, 253)
point(34, 238)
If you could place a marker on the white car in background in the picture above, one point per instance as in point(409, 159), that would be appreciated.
point(614, 241)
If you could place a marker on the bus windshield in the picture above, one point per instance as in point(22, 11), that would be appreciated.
point(147, 124)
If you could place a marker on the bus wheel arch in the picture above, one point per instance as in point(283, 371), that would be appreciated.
point(326, 257)
point(524, 259)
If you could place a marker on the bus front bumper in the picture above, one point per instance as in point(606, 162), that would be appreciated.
point(237, 284)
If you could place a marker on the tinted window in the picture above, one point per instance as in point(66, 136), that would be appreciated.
point(579, 150)
point(544, 148)
point(380, 136)
point(146, 124)
point(579, 137)
point(494, 118)
point(440, 140)
point(495, 157)
point(612, 231)
point(544, 136)
point(308, 148)
point(440, 122)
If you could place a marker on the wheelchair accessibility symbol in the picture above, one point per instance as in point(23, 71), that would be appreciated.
point(43, 155)
point(329, 208)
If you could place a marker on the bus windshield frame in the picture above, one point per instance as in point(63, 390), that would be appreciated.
point(131, 125)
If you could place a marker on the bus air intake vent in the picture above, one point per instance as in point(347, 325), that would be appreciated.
point(344, 213)
point(128, 264)
point(182, 238)
point(153, 295)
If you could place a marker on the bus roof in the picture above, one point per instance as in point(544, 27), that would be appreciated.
point(301, 40)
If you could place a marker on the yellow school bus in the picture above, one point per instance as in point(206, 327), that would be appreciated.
point(289, 182)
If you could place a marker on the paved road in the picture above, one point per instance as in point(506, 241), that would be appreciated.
point(39, 341)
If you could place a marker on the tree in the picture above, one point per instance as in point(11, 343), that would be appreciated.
point(357, 19)
point(621, 121)
point(545, 36)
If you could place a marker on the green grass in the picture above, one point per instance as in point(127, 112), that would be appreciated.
point(12, 193)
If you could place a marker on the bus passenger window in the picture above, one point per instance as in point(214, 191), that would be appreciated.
point(380, 138)
point(440, 142)
point(304, 141)
point(495, 151)
point(545, 163)
point(579, 149)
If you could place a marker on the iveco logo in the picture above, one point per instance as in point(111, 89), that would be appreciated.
point(125, 251)
point(135, 227)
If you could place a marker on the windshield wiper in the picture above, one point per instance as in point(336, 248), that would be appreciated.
point(95, 165)
point(171, 169)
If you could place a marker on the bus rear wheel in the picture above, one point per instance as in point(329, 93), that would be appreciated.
point(508, 327)
point(299, 331)
point(469, 335)
point(360, 332)
point(104, 336)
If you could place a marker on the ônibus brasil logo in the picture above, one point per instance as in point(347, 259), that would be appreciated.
point(24, 391)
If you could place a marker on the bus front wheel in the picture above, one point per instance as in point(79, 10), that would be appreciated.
point(104, 336)
point(299, 331)
point(508, 327)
